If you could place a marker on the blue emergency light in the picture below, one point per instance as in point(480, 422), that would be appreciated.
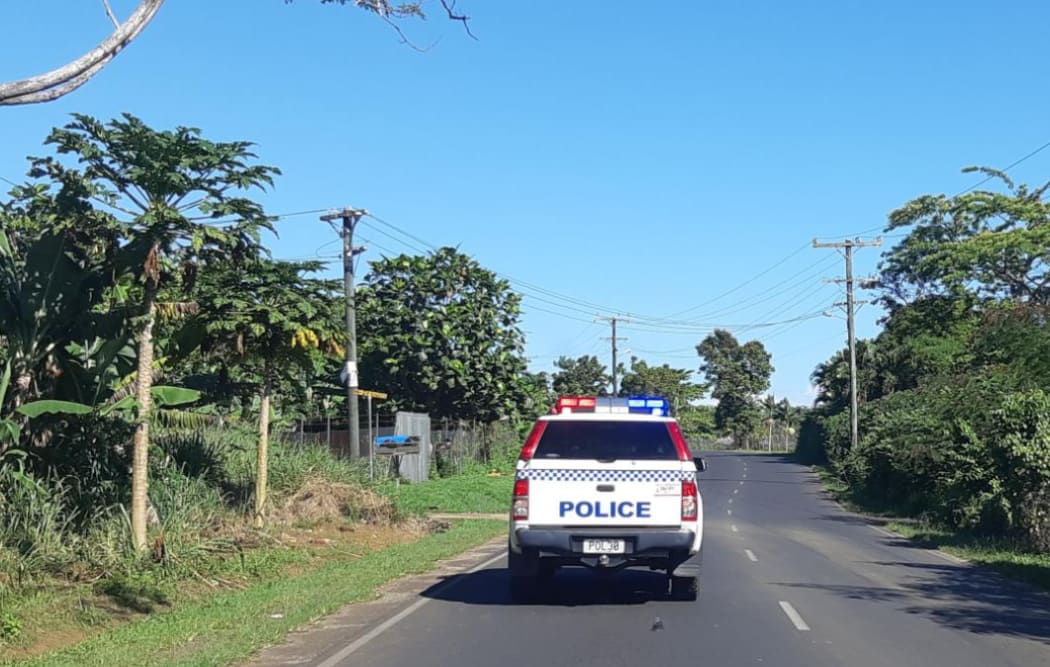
point(653, 405)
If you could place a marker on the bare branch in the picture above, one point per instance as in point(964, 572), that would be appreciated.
point(110, 14)
point(63, 80)
point(404, 38)
point(453, 16)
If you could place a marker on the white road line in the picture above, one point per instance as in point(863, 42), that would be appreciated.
point(729, 512)
point(736, 491)
point(796, 619)
point(337, 658)
point(741, 483)
point(944, 555)
point(745, 474)
point(751, 555)
point(730, 501)
point(882, 531)
point(734, 529)
point(949, 557)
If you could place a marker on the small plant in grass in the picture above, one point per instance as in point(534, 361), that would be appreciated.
point(10, 627)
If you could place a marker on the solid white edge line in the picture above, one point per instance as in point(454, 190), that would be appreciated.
point(944, 555)
point(751, 555)
point(882, 531)
point(344, 652)
point(796, 619)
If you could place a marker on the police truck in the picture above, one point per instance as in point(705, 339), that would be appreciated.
point(607, 484)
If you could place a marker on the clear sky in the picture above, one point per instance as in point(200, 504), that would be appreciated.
point(611, 156)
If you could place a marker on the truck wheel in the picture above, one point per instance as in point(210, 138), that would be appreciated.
point(524, 576)
point(685, 588)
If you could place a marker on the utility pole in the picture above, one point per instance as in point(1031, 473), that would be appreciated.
point(772, 404)
point(847, 247)
point(350, 217)
point(614, 339)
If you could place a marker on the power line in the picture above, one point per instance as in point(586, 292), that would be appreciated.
point(740, 286)
point(1005, 169)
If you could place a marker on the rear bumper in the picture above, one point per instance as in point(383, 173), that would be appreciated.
point(660, 544)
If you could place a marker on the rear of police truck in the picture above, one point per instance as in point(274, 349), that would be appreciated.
point(606, 483)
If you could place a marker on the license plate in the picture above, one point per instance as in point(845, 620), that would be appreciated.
point(603, 546)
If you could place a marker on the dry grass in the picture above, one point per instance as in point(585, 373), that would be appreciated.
point(320, 501)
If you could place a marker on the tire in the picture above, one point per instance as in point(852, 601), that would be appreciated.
point(524, 576)
point(686, 589)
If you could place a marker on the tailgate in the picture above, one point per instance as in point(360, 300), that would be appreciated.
point(640, 494)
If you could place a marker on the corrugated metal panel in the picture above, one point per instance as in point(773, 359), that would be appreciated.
point(415, 467)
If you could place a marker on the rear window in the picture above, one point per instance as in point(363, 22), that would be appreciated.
point(612, 440)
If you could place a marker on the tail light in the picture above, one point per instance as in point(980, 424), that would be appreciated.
point(520, 511)
point(529, 449)
point(690, 501)
point(680, 445)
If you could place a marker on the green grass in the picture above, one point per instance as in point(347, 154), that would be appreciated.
point(998, 555)
point(470, 492)
point(230, 626)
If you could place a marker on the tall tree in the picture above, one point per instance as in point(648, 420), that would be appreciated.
point(991, 245)
point(672, 383)
point(440, 335)
point(582, 376)
point(178, 198)
point(67, 78)
point(737, 374)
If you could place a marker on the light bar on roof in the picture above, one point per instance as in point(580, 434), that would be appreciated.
point(649, 405)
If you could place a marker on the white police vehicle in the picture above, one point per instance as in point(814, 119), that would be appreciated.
point(606, 483)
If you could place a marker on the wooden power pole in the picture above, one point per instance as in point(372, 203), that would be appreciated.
point(350, 217)
point(847, 247)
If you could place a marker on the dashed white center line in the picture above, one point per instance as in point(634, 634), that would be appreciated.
point(729, 512)
point(741, 483)
point(733, 528)
point(736, 491)
point(730, 501)
point(796, 619)
point(751, 555)
point(745, 474)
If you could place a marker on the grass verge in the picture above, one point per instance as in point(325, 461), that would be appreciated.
point(997, 554)
point(476, 492)
point(225, 627)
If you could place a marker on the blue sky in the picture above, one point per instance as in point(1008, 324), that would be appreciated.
point(608, 157)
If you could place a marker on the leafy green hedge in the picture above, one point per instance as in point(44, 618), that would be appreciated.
point(972, 455)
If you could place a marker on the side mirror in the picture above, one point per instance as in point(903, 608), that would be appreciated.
point(700, 464)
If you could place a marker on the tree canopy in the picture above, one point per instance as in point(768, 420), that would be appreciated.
point(582, 376)
point(440, 335)
point(737, 374)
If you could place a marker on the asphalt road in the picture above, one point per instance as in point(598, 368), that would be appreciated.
point(789, 579)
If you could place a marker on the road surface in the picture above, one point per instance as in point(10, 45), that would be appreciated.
point(789, 579)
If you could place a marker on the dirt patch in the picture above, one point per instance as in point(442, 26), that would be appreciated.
point(320, 501)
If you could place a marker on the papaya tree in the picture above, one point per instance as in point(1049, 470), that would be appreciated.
point(181, 204)
point(276, 322)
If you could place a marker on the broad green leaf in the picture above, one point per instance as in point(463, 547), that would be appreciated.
point(37, 408)
point(165, 396)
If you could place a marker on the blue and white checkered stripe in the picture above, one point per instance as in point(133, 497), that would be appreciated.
point(605, 475)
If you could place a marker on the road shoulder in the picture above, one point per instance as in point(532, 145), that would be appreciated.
point(326, 640)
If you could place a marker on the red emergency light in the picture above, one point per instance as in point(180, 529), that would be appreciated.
point(574, 404)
